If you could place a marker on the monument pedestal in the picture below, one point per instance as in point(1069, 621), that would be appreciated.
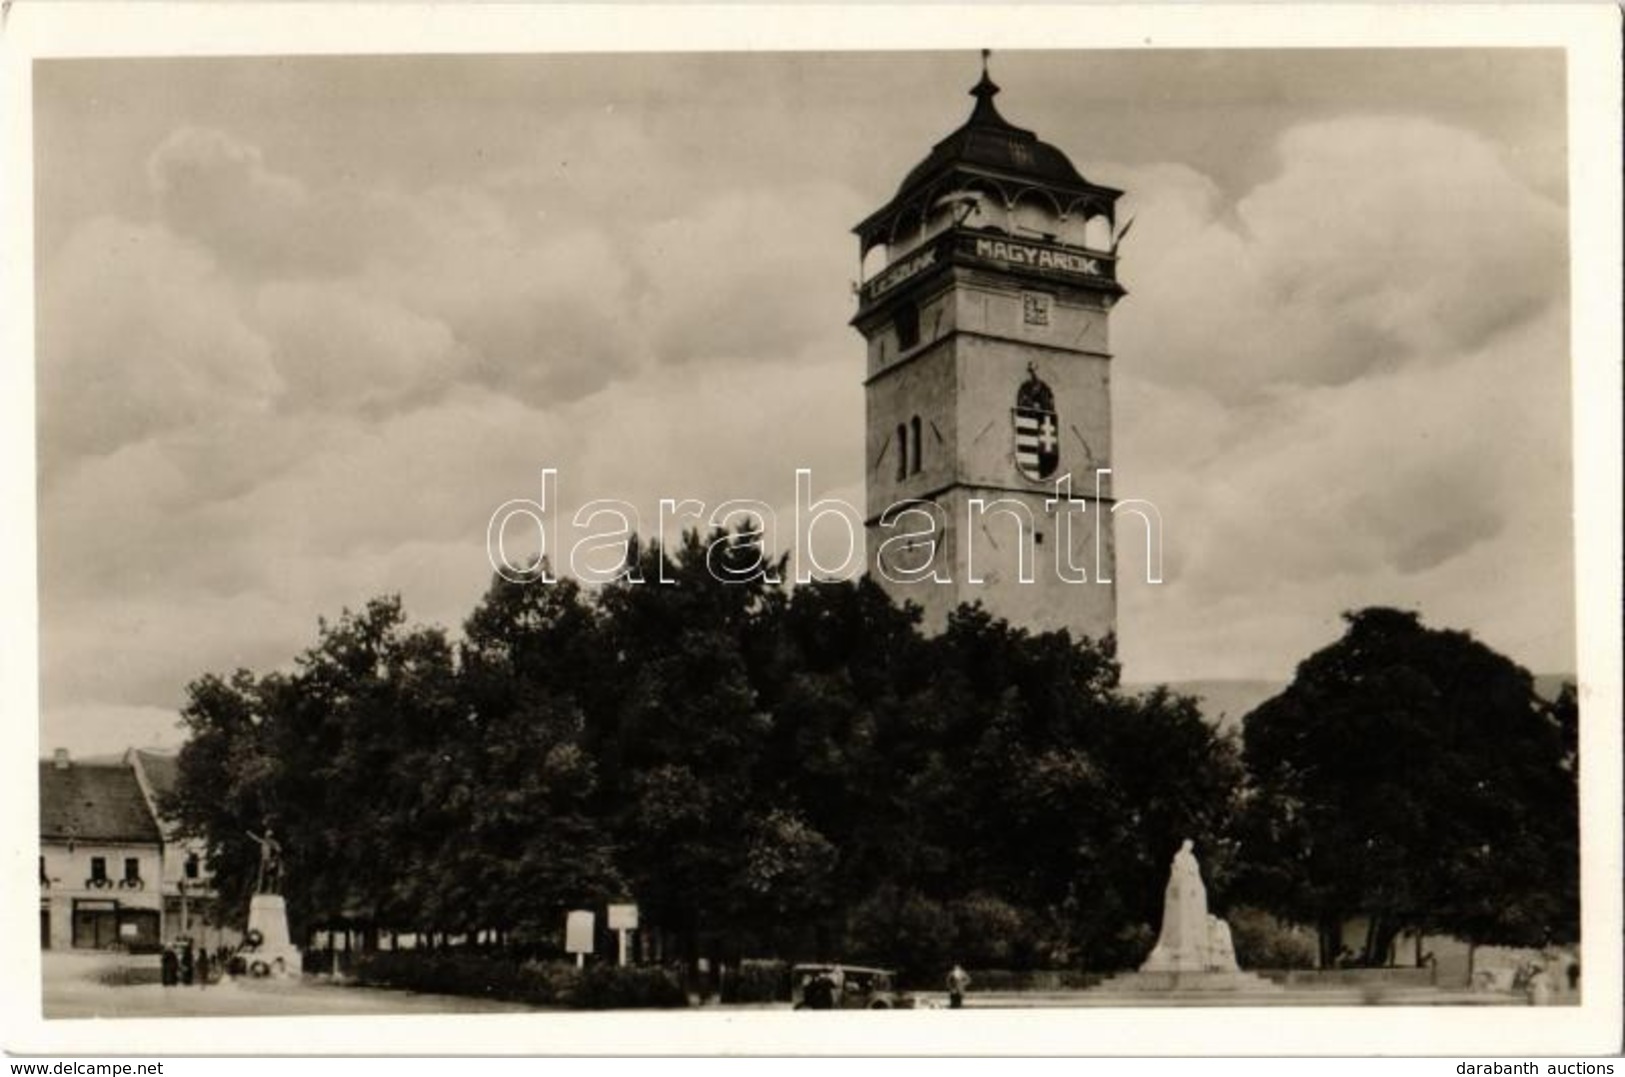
point(268, 950)
point(1194, 954)
point(1192, 983)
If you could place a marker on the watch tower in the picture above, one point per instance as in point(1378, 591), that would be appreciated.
point(987, 283)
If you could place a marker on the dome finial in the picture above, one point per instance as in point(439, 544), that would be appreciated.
point(984, 91)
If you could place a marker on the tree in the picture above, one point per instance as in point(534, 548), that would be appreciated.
point(339, 758)
point(223, 781)
point(527, 844)
point(680, 732)
point(1413, 776)
point(763, 770)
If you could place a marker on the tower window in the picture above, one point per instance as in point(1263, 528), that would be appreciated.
point(902, 451)
point(907, 323)
point(914, 445)
point(192, 866)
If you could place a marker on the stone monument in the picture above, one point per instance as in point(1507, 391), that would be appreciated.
point(1194, 951)
point(1183, 944)
point(267, 948)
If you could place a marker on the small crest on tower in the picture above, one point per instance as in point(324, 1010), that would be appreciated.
point(1037, 428)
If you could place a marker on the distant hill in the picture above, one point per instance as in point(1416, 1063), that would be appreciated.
point(1227, 702)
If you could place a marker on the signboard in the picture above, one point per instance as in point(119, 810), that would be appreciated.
point(901, 271)
point(1035, 256)
point(989, 248)
point(127, 930)
point(578, 931)
point(623, 917)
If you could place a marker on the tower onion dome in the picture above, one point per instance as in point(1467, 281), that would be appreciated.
point(991, 154)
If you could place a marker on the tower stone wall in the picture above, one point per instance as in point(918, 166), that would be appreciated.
point(988, 382)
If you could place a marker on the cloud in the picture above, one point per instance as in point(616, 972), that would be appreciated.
point(140, 333)
point(1380, 242)
point(342, 347)
point(748, 271)
point(285, 391)
point(1361, 391)
point(534, 304)
point(547, 313)
point(1444, 487)
point(216, 189)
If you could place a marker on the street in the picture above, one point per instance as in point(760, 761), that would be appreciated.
point(74, 987)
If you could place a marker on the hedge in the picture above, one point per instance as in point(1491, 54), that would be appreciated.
point(757, 981)
point(598, 987)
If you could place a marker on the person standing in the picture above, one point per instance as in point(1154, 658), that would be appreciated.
point(203, 967)
point(169, 967)
point(1539, 986)
point(958, 980)
point(819, 992)
point(187, 959)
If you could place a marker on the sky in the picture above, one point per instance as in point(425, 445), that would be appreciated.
point(304, 323)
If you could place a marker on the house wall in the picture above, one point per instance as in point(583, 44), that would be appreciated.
point(67, 886)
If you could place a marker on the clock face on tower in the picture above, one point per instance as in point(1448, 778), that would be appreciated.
point(1037, 429)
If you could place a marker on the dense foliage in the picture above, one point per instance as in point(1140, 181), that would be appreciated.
point(803, 774)
point(767, 772)
point(1413, 776)
point(536, 983)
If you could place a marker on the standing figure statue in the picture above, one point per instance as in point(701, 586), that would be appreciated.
point(1183, 944)
point(269, 879)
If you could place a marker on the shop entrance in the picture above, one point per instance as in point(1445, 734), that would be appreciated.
point(95, 924)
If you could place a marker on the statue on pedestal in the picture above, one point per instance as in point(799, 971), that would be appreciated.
point(267, 949)
point(269, 878)
point(1195, 955)
point(1183, 944)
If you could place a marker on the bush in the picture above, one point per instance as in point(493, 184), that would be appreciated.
point(1264, 942)
point(757, 981)
point(451, 973)
point(989, 931)
point(536, 983)
point(905, 930)
point(608, 987)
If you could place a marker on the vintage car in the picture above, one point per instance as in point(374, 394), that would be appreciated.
point(856, 987)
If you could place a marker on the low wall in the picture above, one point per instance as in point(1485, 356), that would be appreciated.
point(1029, 980)
point(1386, 977)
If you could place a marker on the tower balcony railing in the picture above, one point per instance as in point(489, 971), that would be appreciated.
point(1039, 257)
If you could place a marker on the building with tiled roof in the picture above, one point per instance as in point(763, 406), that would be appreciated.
point(187, 884)
point(101, 858)
point(113, 874)
point(94, 802)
